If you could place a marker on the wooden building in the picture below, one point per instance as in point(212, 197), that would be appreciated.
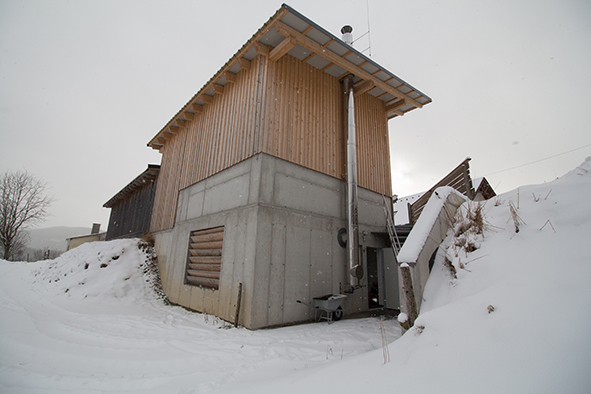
point(482, 189)
point(131, 208)
point(251, 191)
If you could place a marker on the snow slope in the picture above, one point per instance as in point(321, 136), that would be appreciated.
point(89, 322)
point(514, 320)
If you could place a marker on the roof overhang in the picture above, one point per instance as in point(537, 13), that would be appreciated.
point(289, 32)
point(145, 177)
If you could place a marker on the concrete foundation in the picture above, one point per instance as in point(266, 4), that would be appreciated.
point(281, 223)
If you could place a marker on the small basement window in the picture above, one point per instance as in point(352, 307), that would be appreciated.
point(205, 258)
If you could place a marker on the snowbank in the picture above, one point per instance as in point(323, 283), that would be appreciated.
point(515, 319)
point(90, 322)
point(101, 270)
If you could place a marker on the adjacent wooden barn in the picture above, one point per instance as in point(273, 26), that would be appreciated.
point(131, 207)
point(251, 192)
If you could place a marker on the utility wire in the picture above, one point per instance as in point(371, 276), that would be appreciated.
point(537, 161)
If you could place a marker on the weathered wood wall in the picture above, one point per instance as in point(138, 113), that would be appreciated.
point(459, 178)
point(131, 216)
point(287, 109)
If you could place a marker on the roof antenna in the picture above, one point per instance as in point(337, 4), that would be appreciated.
point(366, 33)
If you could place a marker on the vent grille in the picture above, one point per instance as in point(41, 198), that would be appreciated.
point(205, 258)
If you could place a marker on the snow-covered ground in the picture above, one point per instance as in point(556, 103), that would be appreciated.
point(516, 319)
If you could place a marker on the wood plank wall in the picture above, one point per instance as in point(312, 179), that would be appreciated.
point(459, 178)
point(303, 122)
point(130, 217)
point(219, 138)
point(287, 109)
point(373, 144)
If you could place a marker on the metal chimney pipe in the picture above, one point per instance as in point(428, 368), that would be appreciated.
point(355, 269)
point(346, 31)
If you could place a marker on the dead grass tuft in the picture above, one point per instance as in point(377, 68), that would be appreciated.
point(517, 221)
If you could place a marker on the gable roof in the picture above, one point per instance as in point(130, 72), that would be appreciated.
point(141, 180)
point(289, 32)
point(482, 186)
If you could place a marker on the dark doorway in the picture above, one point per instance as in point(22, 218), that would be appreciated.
point(374, 279)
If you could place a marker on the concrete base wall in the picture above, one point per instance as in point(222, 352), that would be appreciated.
point(280, 241)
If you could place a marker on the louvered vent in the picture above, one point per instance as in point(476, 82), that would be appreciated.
point(205, 258)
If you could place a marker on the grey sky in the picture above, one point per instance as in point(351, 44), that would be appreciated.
point(84, 85)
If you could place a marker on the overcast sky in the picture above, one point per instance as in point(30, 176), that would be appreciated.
point(84, 85)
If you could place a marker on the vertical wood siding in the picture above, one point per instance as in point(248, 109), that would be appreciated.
point(167, 189)
point(287, 109)
point(303, 123)
point(130, 217)
point(373, 146)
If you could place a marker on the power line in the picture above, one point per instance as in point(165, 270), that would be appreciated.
point(537, 161)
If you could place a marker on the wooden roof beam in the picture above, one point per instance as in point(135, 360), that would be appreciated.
point(281, 49)
point(329, 65)
point(261, 49)
point(189, 115)
point(197, 108)
point(396, 105)
point(328, 43)
point(312, 45)
point(218, 89)
point(363, 87)
point(307, 30)
point(395, 108)
point(347, 54)
point(396, 112)
point(244, 63)
point(310, 56)
point(231, 78)
point(207, 99)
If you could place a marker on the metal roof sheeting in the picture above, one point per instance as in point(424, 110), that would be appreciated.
point(318, 48)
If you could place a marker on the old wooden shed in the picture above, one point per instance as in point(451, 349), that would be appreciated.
point(131, 207)
point(253, 186)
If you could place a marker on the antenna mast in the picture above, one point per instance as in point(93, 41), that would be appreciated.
point(366, 33)
point(368, 30)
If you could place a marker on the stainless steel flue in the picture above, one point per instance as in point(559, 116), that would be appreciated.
point(355, 269)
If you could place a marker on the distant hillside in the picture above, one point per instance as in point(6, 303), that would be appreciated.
point(54, 238)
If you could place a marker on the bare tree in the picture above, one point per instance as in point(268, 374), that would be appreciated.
point(23, 203)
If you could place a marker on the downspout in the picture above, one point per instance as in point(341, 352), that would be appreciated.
point(354, 268)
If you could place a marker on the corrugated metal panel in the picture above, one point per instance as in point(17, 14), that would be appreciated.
point(295, 21)
point(299, 52)
point(318, 61)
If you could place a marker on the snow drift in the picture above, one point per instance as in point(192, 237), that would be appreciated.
point(504, 311)
point(121, 269)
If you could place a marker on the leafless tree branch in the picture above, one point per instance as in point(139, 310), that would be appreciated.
point(23, 203)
